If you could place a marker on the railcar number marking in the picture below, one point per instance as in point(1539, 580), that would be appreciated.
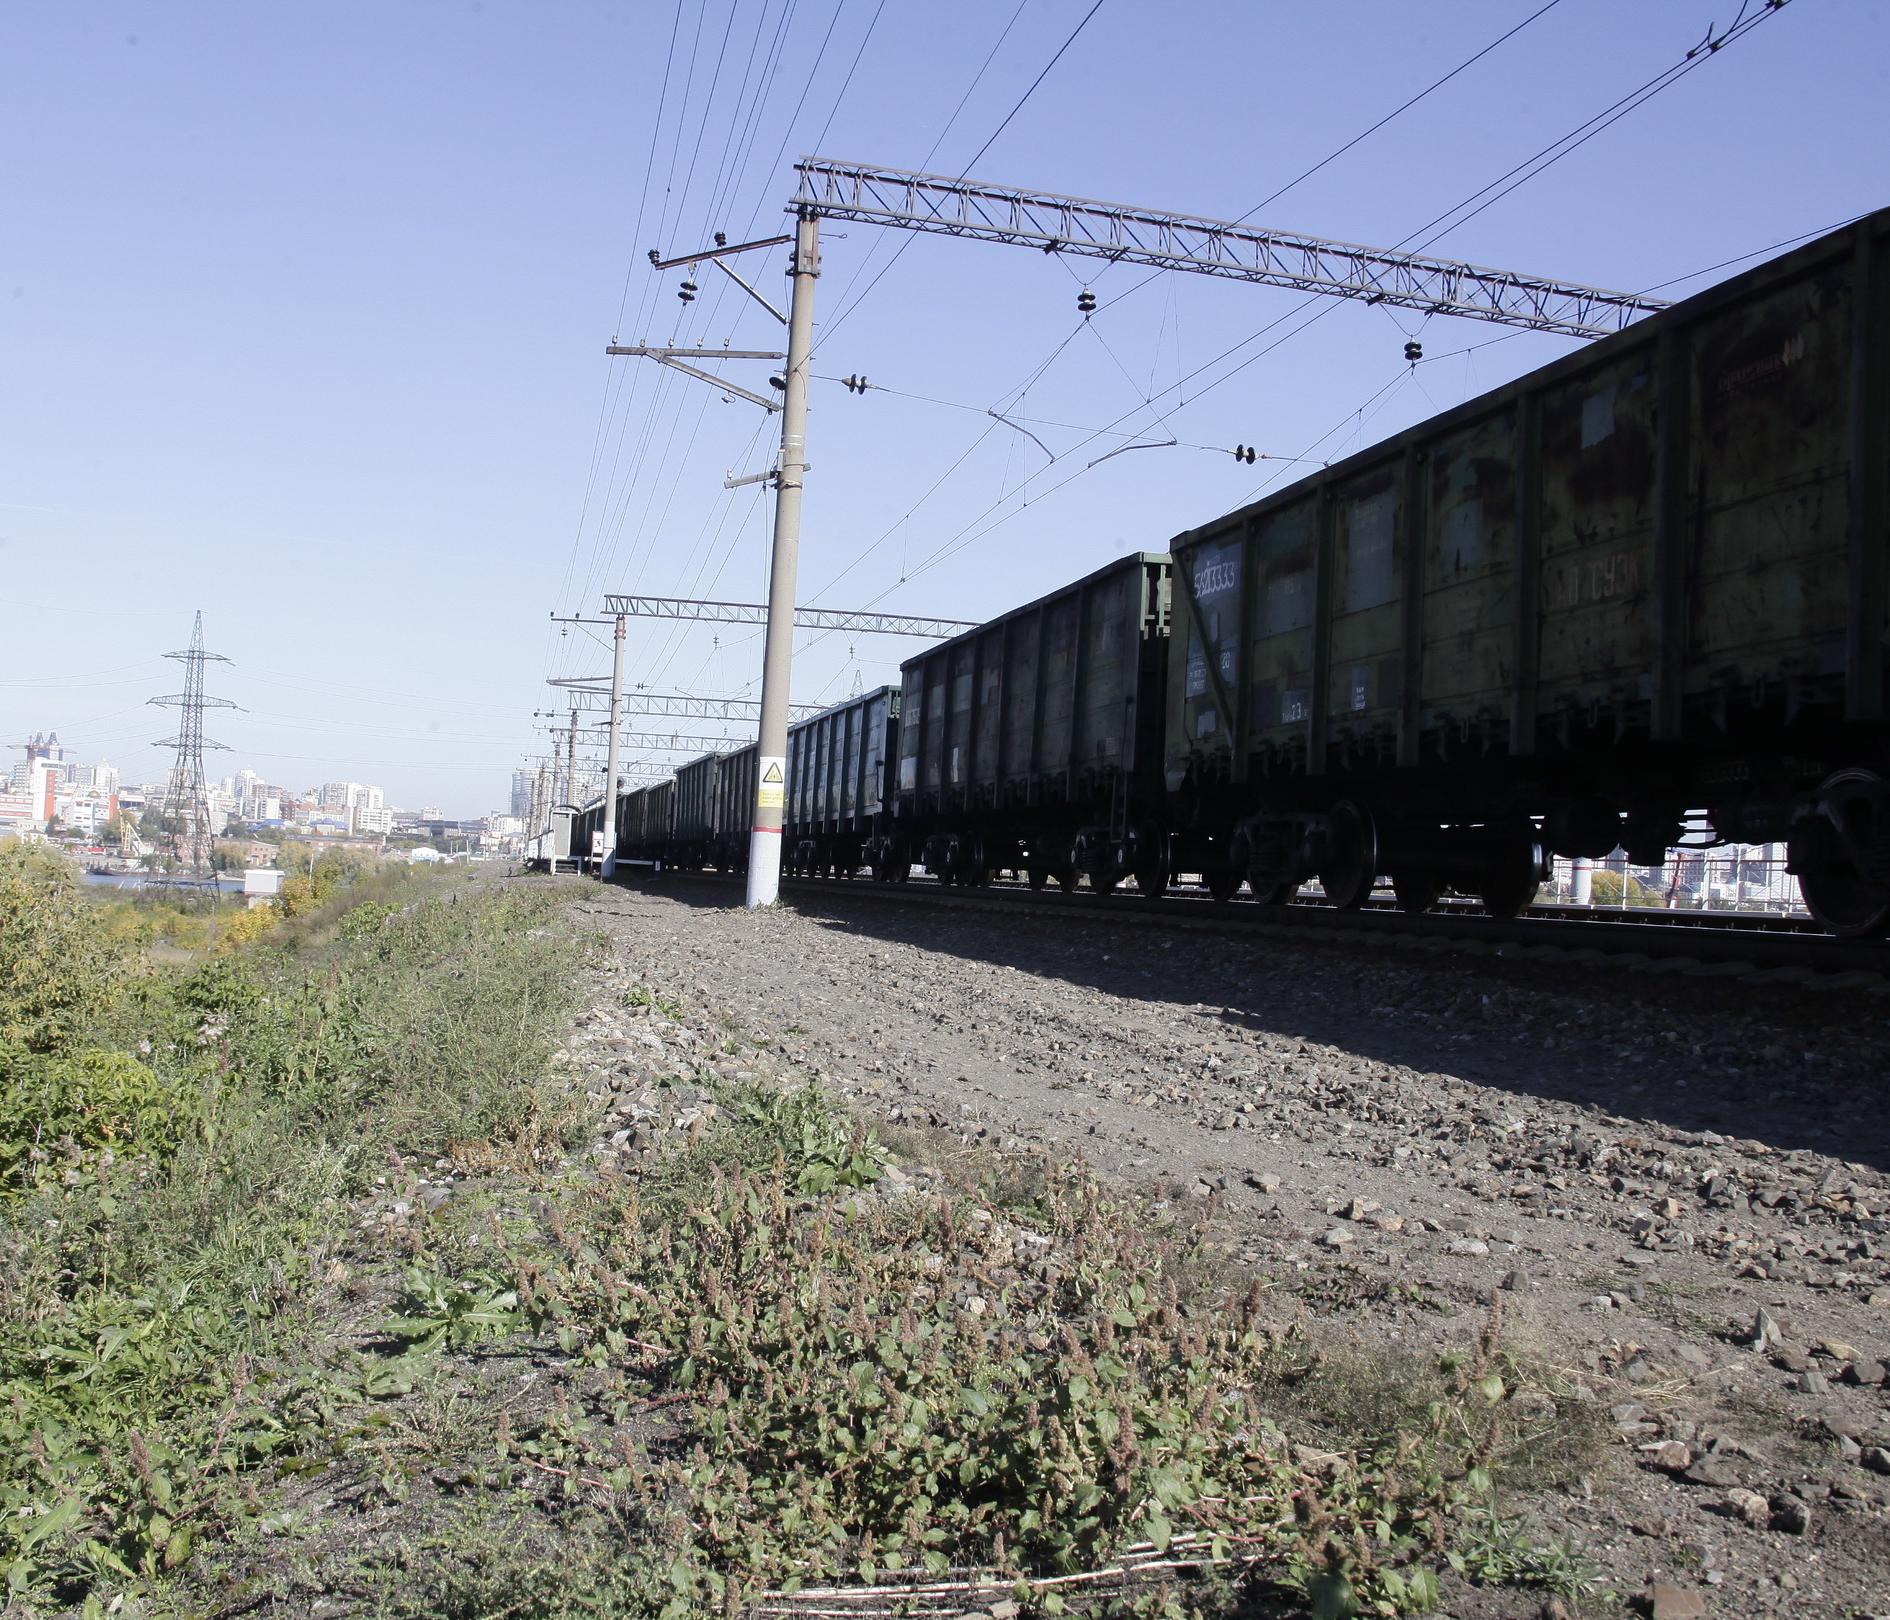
point(1211, 578)
point(1601, 579)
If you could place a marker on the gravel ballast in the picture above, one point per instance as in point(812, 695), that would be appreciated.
point(1678, 1186)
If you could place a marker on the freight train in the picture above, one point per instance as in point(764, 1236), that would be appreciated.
point(1634, 599)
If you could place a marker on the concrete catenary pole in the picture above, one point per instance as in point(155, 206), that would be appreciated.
point(570, 764)
point(764, 843)
point(541, 818)
point(609, 866)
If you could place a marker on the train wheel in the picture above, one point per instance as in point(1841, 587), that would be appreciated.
point(1039, 876)
point(1064, 869)
point(1151, 866)
point(1416, 891)
point(1838, 888)
point(1508, 894)
point(1351, 861)
point(1223, 882)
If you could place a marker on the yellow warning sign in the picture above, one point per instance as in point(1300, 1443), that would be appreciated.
point(771, 793)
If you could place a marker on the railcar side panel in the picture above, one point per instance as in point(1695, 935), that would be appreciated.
point(1284, 549)
point(695, 804)
point(734, 808)
point(1597, 573)
point(1771, 458)
point(1364, 675)
point(1057, 670)
point(1022, 692)
point(1468, 666)
point(1015, 729)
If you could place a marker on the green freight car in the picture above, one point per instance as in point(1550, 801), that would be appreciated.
point(1636, 598)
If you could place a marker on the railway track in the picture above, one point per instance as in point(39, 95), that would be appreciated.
point(1781, 950)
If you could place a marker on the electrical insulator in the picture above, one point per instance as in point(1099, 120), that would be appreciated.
point(856, 385)
point(1414, 351)
point(721, 238)
point(778, 381)
point(687, 292)
point(1086, 303)
point(1246, 453)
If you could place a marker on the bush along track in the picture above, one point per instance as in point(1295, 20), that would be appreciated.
point(310, 1306)
point(180, 1156)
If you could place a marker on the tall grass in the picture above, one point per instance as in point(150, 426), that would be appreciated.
point(181, 1153)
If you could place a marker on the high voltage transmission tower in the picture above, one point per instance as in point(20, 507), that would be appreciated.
point(187, 835)
point(910, 200)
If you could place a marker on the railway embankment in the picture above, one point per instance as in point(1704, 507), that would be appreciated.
point(1674, 1188)
point(563, 1249)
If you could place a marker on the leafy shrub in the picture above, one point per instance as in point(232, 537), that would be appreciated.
point(57, 970)
point(821, 1147)
point(91, 1099)
point(364, 919)
point(917, 1387)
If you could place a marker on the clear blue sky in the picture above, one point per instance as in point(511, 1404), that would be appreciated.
point(302, 312)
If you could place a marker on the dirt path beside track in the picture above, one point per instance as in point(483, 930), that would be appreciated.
point(1678, 1187)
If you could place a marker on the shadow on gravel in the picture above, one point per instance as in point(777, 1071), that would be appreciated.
point(1791, 1068)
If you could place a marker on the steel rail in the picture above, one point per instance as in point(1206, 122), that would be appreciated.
point(1744, 952)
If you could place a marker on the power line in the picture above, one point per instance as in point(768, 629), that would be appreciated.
point(1756, 253)
point(612, 375)
point(939, 139)
point(1738, 29)
point(1371, 129)
point(846, 83)
point(603, 553)
point(1697, 57)
point(1148, 401)
point(708, 105)
point(740, 143)
point(1004, 124)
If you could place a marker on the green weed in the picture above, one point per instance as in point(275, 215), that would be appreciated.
point(1495, 1549)
point(174, 1204)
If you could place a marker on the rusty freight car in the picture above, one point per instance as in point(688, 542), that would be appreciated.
point(1033, 743)
point(1636, 598)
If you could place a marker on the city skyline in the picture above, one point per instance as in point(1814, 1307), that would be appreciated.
point(52, 789)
